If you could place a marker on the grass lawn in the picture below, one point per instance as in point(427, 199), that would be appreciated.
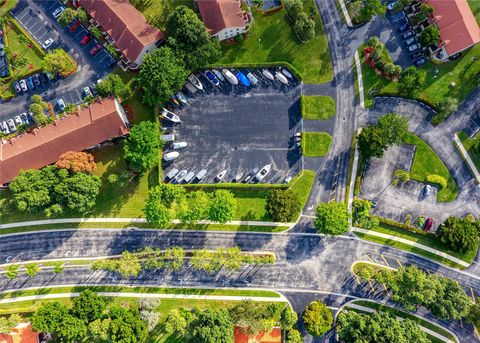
point(475, 6)
point(317, 107)
point(26, 50)
point(426, 162)
point(472, 145)
point(439, 77)
point(271, 39)
point(7, 5)
point(315, 144)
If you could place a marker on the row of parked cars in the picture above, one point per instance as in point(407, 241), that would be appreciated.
point(32, 82)
point(10, 125)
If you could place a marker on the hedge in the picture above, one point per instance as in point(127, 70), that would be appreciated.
point(437, 180)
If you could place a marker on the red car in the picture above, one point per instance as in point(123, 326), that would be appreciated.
point(86, 39)
point(96, 49)
point(428, 224)
point(74, 26)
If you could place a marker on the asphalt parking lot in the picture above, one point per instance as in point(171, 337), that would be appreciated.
point(238, 130)
point(36, 17)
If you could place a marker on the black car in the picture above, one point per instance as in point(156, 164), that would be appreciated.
point(420, 61)
point(404, 27)
point(408, 34)
point(416, 55)
point(44, 78)
point(36, 79)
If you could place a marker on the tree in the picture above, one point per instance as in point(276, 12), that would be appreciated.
point(294, 336)
point(112, 84)
point(68, 15)
point(317, 318)
point(31, 269)
point(451, 302)
point(431, 35)
point(377, 327)
point(372, 8)
point(150, 318)
point(197, 208)
point(59, 268)
point(76, 162)
point(38, 107)
point(142, 147)
point(99, 330)
point(222, 206)
point(473, 316)
point(288, 318)
point(160, 202)
point(148, 304)
point(394, 128)
point(250, 317)
point(78, 191)
point(58, 61)
point(294, 8)
point(174, 258)
point(212, 326)
point(189, 38)
point(446, 106)
point(458, 234)
point(411, 81)
point(129, 265)
point(126, 326)
point(283, 205)
point(88, 306)
point(304, 27)
point(371, 142)
point(426, 10)
point(392, 69)
point(6, 324)
point(332, 218)
point(177, 321)
point(12, 271)
point(204, 259)
point(161, 74)
point(71, 329)
point(49, 317)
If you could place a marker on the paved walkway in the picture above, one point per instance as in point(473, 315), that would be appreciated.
point(131, 220)
point(424, 329)
point(360, 80)
point(467, 158)
point(413, 244)
point(345, 13)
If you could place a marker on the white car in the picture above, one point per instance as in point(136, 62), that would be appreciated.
point(18, 121)
point(58, 11)
point(87, 91)
point(61, 104)
point(23, 85)
point(5, 129)
point(47, 43)
point(11, 125)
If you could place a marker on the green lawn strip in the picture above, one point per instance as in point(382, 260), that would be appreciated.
point(315, 144)
point(403, 314)
point(469, 144)
point(409, 248)
point(302, 185)
point(427, 162)
point(7, 5)
point(350, 166)
point(429, 240)
point(475, 7)
point(271, 39)
point(138, 289)
point(317, 107)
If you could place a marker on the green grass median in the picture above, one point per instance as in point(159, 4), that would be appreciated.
point(315, 144)
point(317, 107)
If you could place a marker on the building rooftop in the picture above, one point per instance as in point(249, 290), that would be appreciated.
point(124, 23)
point(22, 333)
point(220, 14)
point(101, 121)
point(458, 27)
point(274, 336)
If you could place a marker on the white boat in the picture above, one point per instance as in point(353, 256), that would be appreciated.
point(268, 75)
point(191, 88)
point(171, 174)
point(218, 74)
point(230, 77)
point(252, 78)
point(182, 97)
point(281, 78)
point(166, 114)
point(287, 73)
point(238, 177)
point(180, 176)
point(263, 172)
point(189, 177)
point(221, 175)
point(179, 145)
point(170, 156)
point(251, 174)
point(201, 174)
point(196, 82)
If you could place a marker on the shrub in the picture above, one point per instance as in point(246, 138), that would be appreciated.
point(283, 205)
point(113, 178)
point(437, 180)
point(317, 318)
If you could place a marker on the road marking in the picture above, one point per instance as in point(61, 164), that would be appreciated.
point(385, 260)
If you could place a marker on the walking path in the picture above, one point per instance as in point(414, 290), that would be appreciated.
point(413, 244)
point(467, 158)
point(360, 80)
point(345, 13)
point(424, 329)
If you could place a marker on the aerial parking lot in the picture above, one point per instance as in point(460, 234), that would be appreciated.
point(238, 130)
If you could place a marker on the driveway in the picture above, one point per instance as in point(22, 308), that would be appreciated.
point(237, 130)
point(36, 17)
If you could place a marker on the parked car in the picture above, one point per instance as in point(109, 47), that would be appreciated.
point(59, 10)
point(4, 127)
point(17, 87)
point(416, 55)
point(427, 190)
point(23, 85)
point(36, 79)
point(410, 41)
point(50, 76)
point(414, 47)
point(428, 224)
point(391, 5)
point(74, 25)
point(404, 27)
point(18, 121)
point(61, 104)
point(25, 118)
point(407, 34)
point(420, 61)
point(47, 43)
point(87, 92)
point(44, 78)
point(96, 49)
point(92, 88)
point(86, 39)
point(11, 125)
point(30, 84)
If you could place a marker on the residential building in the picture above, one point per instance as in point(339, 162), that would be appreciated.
point(274, 336)
point(102, 121)
point(458, 28)
point(125, 27)
point(22, 333)
point(224, 19)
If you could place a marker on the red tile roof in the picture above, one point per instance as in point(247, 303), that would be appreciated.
point(458, 27)
point(124, 23)
point(75, 132)
point(22, 333)
point(274, 336)
point(220, 14)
